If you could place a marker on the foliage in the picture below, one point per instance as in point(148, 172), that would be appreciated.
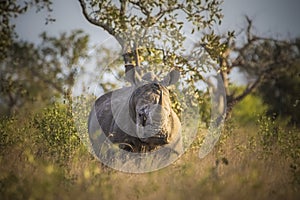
point(57, 132)
point(281, 93)
point(273, 138)
point(257, 58)
point(32, 168)
point(246, 111)
point(13, 9)
point(6, 127)
point(37, 73)
point(134, 23)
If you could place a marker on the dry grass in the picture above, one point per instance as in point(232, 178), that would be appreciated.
point(248, 175)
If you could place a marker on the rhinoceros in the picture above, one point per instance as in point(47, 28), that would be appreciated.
point(138, 118)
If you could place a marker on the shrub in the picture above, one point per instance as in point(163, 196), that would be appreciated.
point(246, 111)
point(285, 141)
point(57, 131)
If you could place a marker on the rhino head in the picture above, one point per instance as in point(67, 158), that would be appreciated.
point(150, 109)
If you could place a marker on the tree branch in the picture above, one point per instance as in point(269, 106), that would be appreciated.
point(250, 88)
point(161, 13)
point(123, 8)
point(93, 21)
point(141, 7)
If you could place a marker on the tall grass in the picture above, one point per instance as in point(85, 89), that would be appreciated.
point(42, 158)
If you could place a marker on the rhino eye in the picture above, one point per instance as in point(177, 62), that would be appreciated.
point(143, 118)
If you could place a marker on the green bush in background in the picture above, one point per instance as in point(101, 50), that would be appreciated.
point(57, 131)
point(246, 111)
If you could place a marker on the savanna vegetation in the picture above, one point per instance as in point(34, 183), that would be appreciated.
point(44, 156)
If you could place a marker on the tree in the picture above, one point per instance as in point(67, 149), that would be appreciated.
point(136, 24)
point(260, 59)
point(13, 9)
point(282, 94)
point(37, 73)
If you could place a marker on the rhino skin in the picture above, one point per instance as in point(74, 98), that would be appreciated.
point(138, 118)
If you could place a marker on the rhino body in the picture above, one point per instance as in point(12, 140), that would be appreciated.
point(138, 119)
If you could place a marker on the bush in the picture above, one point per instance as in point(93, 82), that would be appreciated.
point(246, 111)
point(285, 141)
point(6, 139)
point(57, 131)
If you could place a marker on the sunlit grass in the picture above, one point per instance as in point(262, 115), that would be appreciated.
point(237, 168)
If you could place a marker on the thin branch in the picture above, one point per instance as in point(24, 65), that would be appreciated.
point(141, 7)
point(258, 81)
point(161, 13)
point(106, 27)
point(249, 27)
point(123, 8)
point(249, 89)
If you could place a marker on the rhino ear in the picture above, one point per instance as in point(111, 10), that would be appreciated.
point(132, 74)
point(171, 78)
